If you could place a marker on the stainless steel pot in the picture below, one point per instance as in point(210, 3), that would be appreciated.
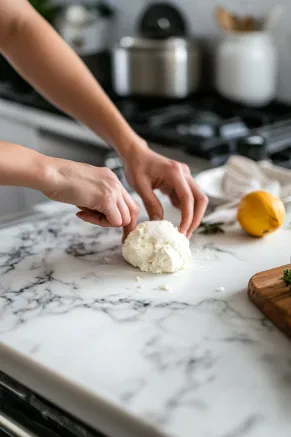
point(149, 67)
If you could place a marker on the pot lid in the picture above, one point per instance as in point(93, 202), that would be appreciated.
point(137, 43)
point(162, 20)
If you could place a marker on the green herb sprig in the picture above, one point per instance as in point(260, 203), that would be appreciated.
point(287, 276)
point(211, 228)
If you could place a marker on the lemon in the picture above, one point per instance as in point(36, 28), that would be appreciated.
point(260, 213)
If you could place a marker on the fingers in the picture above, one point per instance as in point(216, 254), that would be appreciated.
point(201, 202)
point(175, 200)
point(150, 200)
point(113, 215)
point(94, 218)
point(186, 200)
point(117, 211)
point(134, 210)
point(124, 211)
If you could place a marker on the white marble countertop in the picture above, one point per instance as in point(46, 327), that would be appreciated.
point(197, 360)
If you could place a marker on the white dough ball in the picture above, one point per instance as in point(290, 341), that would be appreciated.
point(157, 247)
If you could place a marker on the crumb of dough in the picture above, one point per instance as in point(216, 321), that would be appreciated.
point(220, 289)
point(165, 287)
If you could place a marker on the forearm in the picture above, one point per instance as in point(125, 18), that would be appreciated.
point(44, 60)
point(22, 167)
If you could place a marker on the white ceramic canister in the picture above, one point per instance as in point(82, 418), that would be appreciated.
point(246, 67)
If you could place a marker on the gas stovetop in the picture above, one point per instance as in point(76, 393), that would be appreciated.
point(205, 125)
point(214, 128)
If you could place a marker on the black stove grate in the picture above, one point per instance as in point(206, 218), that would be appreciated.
point(204, 125)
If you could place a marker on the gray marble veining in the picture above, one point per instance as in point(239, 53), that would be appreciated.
point(196, 360)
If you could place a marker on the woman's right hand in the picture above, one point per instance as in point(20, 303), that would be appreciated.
point(95, 190)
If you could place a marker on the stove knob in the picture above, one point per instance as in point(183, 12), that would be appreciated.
point(254, 147)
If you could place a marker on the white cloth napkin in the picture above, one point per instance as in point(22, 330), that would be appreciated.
point(242, 176)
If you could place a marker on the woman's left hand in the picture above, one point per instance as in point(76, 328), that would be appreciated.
point(146, 171)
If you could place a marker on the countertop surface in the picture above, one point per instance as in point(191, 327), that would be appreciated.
point(49, 122)
point(129, 359)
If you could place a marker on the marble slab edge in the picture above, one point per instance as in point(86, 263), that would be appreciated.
point(90, 409)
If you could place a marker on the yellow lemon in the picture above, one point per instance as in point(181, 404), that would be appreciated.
point(260, 213)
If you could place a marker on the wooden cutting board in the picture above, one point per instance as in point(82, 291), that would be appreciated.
point(273, 297)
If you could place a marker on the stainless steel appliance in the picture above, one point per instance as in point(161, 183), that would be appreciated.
point(162, 61)
point(24, 414)
point(168, 68)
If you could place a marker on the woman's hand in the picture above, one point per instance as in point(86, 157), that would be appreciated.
point(95, 190)
point(147, 170)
